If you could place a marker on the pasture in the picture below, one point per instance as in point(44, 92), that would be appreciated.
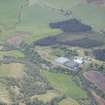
point(40, 34)
point(64, 84)
point(11, 70)
point(68, 101)
point(47, 97)
point(4, 94)
point(13, 53)
point(36, 18)
point(90, 14)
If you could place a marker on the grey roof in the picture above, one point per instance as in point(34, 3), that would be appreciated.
point(72, 65)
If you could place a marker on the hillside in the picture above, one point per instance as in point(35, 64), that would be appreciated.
point(52, 52)
point(20, 16)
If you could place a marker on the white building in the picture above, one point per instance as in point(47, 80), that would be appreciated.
point(79, 60)
point(62, 60)
point(69, 63)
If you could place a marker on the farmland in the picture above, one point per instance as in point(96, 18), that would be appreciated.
point(96, 78)
point(68, 102)
point(77, 40)
point(50, 95)
point(91, 15)
point(33, 34)
point(11, 70)
point(34, 21)
point(4, 94)
point(64, 84)
point(99, 54)
point(13, 53)
point(41, 34)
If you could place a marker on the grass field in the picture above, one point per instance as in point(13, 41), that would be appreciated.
point(90, 14)
point(11, 70)
point(64, 84)
point(47, 97)
point(13, 53)
point(68, 101)
point(4, 94)
point(41, 33)
point(35, 18)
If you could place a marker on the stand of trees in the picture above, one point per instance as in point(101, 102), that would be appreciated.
point(30, 54)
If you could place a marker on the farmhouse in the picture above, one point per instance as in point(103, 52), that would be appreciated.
point(69, 63)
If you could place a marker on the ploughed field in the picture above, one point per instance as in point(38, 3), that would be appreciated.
point(97, 78)
point(99, 54)
point(84, 43)
point(84, 40)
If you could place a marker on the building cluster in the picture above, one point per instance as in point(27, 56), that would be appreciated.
point(73, 64)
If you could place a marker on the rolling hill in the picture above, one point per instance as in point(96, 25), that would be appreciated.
point(35, 18)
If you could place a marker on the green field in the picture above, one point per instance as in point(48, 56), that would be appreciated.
point(13, 53)
point(39, 34)
point(36, 18)
point(68, 101)
point(64, 84)
point(90, 14)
